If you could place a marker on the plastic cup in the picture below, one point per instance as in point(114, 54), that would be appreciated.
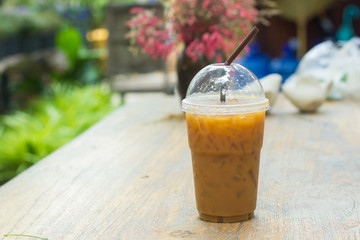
point(225, 139)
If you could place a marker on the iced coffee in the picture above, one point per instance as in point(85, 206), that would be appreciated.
point(225, 139)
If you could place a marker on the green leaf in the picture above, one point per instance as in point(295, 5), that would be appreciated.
point(70, 42)
point(344, 78)
point(50, 122)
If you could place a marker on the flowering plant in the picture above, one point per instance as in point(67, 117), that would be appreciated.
point(208, 28)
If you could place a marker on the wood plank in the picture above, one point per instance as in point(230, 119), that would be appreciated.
point(130, 177)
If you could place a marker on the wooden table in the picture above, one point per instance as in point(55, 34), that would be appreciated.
point(130, 177)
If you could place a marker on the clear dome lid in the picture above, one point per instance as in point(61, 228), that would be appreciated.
point(220, 89)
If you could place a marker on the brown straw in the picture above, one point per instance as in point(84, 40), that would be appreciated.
point(241, 46)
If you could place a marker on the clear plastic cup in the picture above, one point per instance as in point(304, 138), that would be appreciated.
point(225, 139)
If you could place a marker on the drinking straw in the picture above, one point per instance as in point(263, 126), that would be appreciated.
point(237, 51)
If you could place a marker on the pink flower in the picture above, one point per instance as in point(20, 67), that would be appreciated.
point(136, 10)
point(208, 28)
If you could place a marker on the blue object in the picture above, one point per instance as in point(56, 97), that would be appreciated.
point(286, 64)
point(346, 31)
point(256, 61)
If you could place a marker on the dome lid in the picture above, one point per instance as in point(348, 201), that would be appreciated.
point(220, 89)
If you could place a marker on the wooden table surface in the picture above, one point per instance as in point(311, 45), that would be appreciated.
point(130, 177)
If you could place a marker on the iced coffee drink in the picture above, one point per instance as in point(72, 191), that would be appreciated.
point(225, 139)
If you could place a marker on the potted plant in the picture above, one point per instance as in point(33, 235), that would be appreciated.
point(208, 31)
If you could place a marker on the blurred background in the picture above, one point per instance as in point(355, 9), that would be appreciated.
point(64, 63)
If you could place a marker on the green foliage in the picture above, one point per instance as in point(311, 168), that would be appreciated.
point(25, 21)
point(65, 112)
point(69, 41)
point(96, 6)
point(83, 62)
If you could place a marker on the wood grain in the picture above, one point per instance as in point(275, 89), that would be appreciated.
point(130, 177)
